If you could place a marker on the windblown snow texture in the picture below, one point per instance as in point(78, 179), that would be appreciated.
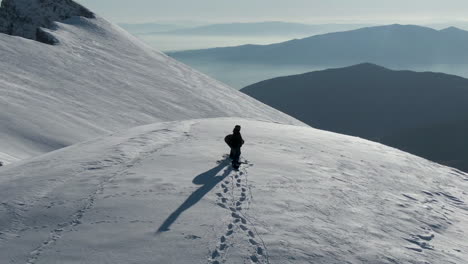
point(27, 18)
point(165, 193)
point(96, 80)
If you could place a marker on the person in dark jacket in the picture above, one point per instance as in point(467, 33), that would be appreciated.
point(235, 141)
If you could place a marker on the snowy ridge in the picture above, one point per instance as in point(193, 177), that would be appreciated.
point(25, 18)
point(164, 193)
point(99, 79)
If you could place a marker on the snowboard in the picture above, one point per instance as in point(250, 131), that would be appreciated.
point(228, 140)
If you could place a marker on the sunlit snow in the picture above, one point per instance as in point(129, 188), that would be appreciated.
point(165, 193)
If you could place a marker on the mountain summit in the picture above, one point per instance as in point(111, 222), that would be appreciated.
point(95, 80)
point(28, 18)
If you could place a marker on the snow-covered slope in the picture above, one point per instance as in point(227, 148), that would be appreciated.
point(96, 79)
point(163, 194)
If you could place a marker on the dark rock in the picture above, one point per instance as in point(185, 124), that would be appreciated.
point(25, 18)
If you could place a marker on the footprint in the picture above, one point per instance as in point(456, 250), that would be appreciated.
point(222, 247)
point(237, 220)
point(251, 234)
point(222, 205)
point(238, 203)
point(224, 200)
point(225, 190)
point(230, 226)
point(223, 239)
point(244, 190)
point(243, 227)
point(244, 221)
point(226, 182)
point(253, 242)
point(215, 254)
point(229, 233)
point(238, 208)
point(219, 194)
point(235, 215)
point(254, 259)
point(238, 185)
point(260, 251)
point(237, 176)
point(232, 209)
point(242, 199)
point(215, 262)
point(223, 186)
point(239, 181)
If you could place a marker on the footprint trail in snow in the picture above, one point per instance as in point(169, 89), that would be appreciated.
point(234, 195)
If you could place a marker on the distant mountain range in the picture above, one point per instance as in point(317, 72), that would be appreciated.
point(403, 109)
point(149, 27)
point(274, 28)
point(387, 45)
point(459, 24)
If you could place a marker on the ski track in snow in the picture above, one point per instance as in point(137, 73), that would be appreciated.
point(15, 210)
point(142, 146)
point(56, 233)
point(235, 196)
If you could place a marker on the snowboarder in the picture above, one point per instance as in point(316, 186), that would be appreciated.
point(235, 142)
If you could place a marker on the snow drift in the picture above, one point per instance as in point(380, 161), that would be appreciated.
point(96, 79)
point(164, 193)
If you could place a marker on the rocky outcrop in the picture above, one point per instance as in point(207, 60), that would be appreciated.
point(26, 18)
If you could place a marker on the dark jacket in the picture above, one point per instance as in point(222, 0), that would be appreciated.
point(236, 140)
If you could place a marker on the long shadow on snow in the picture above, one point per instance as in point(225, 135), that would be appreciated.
point(209, 181)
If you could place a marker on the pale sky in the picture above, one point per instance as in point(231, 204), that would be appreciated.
point(308, 11)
